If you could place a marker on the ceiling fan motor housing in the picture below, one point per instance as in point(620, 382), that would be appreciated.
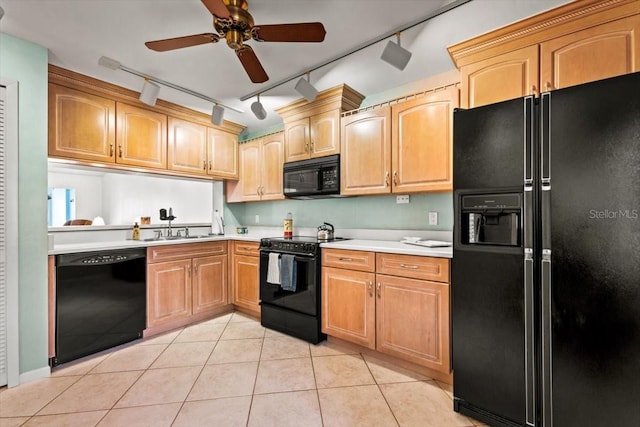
point(236, 29)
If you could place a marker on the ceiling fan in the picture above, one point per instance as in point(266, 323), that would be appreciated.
point(233, 22)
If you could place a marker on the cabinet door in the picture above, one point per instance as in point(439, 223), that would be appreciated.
point(325, 134)
point(272, 159)
point(168, 291)
point(187, 146)
point(365, 162)
point(209, 282)
point(499, 78)
point(246, 283)
point(141, 137)
point(423, 305)
point(422, 142)
point(81, 126)
point(296, 138)
point(222, 154)
point(348, 305)
point(607, 50)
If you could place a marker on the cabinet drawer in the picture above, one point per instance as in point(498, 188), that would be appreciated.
point(351, 260)
point(186, 250)
point(246, 248)
point(417, 267)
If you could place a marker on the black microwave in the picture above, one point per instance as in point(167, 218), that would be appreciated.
point(313, 178)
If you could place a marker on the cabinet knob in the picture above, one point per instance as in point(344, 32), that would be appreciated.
point(386, 179)
point(395, 177)
point(370, 287)
point(378, 287)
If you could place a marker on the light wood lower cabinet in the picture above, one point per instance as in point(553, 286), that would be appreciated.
point(245, 276)
point(186, 283)
point(397, 304)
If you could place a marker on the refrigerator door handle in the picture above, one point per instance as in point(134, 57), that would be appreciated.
point(528, 140)
point(529, 322)
point(545, 138)
point(547, 368)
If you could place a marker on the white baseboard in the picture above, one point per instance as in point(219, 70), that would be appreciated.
point(36, 374)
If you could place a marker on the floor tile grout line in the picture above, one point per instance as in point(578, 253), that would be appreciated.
point(255, 380)
point(315, 380)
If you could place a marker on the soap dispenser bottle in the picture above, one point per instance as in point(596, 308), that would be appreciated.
point(135, 234)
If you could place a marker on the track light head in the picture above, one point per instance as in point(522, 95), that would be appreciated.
point(305, 89)
point(217, 115)
point(258, 109)
point(109, 63)
point(149, 93)
point(396, 55)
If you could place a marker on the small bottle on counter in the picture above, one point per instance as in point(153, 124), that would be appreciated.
point(288, 226)
point(135, 234)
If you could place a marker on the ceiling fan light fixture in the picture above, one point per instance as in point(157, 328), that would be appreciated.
point(217, 115)
point(150, 92)
point(258, 109)
point(306, 89)
point(395, 54)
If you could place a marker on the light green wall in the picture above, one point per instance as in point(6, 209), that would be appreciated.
point(371, 212)
point(27, 63)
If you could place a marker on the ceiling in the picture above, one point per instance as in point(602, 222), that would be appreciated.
point(78, 32)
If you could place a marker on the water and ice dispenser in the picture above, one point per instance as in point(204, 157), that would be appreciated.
point(491, 219)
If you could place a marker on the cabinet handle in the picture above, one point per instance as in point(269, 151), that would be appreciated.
point(110, 150)
point(370, 287)
point(195, 268)
point(346, 259)
point(306, 147)
point(120, 151)
point(204, 165)
point(386, 179)
point(547, 86)
point(311, 146)
point(378, 289)
point(189, 272)
point(412, 267)
point(395, 177)
point(210, 165)
point(533, 90)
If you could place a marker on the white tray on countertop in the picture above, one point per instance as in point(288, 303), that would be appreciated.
point(426, 243)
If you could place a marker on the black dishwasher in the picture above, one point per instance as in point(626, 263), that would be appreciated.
point(100, 301)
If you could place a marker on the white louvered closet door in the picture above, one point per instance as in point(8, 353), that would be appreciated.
point(3, 240)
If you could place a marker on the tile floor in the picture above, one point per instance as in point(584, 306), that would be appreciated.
point(230, 371)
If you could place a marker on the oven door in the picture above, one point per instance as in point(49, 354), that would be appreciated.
point(305, 298)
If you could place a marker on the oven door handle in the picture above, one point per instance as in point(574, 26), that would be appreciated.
point(297, 254)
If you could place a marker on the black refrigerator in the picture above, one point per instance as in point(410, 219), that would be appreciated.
point(546, 258)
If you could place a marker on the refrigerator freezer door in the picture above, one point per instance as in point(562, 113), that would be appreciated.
point(592, 296)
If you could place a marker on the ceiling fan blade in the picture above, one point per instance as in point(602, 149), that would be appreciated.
point(302, 32)
point(217, 8)
point(180, 42)
point(252, 65)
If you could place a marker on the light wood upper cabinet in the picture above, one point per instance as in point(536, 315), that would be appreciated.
point(187, 146)
point(365, 161)
point(575, 43)
point(296, 134)
point(405, 148)
point(222, 154)
point(422, 142)
point(507, 76)
point(141, 137)
point(325, 133)
point(608, 50)
point(81, 125)
point(261, 163)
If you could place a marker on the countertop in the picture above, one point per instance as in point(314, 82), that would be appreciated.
point(354, 244)
point(389, 247)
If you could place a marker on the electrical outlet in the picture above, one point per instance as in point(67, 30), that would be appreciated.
point(433, 218)
point(402, 199)
point(257, 219)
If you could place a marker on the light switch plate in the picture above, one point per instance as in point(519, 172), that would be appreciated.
point(402, 199)
point(433, 218)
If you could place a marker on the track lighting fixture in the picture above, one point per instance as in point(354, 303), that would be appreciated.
point(258, 109)
point(149, 93)
point(217, 114)
point(395, 54)
point(305, 88)
point(151, 88)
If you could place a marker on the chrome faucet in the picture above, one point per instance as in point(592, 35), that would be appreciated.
point(165, 217)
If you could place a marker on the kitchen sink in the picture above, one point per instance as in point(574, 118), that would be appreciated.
point(155, 239)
